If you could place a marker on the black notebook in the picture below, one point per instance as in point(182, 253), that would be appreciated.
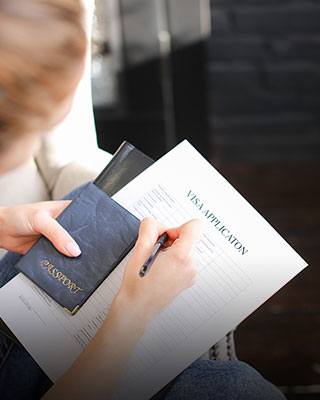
point(127, 163)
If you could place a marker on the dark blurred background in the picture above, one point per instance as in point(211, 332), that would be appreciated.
point(239, 79)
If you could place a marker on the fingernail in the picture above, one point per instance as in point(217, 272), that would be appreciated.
point(73, 249)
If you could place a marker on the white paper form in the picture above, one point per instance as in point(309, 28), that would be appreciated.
point(241, 262)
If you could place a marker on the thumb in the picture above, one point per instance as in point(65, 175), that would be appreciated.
point(60, 238)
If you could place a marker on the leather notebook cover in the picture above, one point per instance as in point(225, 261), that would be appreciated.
point(105, 232)
point(125, 165)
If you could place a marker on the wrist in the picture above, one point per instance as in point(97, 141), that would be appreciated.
point(133, 312)
point(121, 325)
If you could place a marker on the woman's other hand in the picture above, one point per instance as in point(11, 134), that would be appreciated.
point(171, 273)
point(21, 226)
point(98, 369)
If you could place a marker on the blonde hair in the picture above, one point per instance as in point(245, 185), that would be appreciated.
point(42, 48)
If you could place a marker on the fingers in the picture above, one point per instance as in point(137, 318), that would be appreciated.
point(182, 240)
point(149, 232)
point(45, 224)
point(186, 237)
point(172, 272)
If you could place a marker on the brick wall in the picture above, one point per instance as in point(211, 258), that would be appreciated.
point(264, 80)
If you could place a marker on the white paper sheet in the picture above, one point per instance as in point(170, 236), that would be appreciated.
point(241, 262)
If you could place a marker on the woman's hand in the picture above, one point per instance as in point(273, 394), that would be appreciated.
point(21, 226)
point(97, 370)
point(170, 274)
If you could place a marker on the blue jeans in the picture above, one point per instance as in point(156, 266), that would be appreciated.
point(22, 379)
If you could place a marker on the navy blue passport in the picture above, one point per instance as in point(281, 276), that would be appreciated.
point(105, 232)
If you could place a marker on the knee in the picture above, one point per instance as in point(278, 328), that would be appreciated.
point(225, 379)
point(225, 374)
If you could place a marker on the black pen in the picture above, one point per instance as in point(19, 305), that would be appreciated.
point(158, 246)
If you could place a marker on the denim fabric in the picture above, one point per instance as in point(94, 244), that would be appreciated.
point(22, 379)
point(222, 380)
point(7, 267)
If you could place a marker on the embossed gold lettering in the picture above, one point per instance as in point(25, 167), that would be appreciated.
point(55, 273)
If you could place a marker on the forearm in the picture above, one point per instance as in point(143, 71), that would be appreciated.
point(97, 370)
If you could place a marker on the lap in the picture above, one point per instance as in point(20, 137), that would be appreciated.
point(205, 380)
point(221, 380)
point(201, 380)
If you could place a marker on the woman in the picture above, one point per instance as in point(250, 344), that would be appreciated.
point(42, 47)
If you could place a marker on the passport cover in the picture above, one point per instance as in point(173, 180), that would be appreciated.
point(105, 232)
point(126, 163)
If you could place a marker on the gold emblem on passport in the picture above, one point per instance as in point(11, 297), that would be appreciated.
point(56, 274)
